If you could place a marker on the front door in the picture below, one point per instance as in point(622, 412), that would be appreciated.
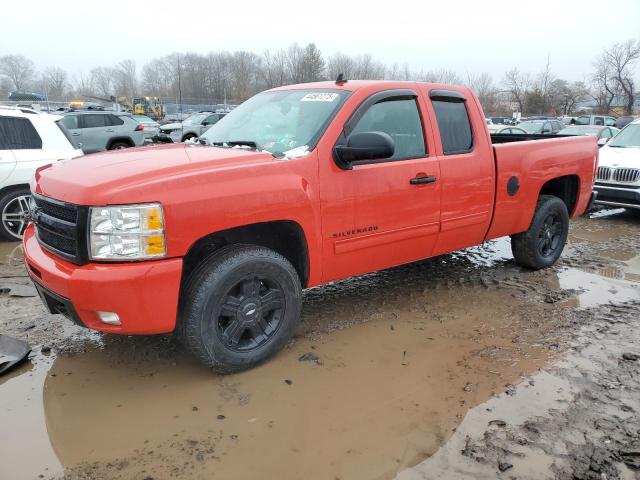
point(381, 213)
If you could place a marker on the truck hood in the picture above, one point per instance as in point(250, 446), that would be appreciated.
point(619, 157)
point(140, 174)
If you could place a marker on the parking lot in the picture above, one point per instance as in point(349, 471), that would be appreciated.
point(465, 362)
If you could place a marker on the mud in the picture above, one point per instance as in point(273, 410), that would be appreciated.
point(404, 365)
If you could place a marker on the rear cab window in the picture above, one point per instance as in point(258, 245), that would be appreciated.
point(454, 124)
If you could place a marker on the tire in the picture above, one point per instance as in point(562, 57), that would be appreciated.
point(541, 245)
point(223, 320)
point(13, 204)
point(188, 136)
point(119, 145)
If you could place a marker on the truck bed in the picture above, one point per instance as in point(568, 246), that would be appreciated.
point(528, 162)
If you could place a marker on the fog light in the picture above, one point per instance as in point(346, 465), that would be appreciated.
point(111, 318)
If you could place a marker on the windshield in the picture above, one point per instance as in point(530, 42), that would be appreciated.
point(278, 121)
point(628, 137)
point(196, 118)
point(531, 127)
point(583, 120)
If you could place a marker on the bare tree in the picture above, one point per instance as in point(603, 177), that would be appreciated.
point(102, 80)
point(542, 86)
point(19, 69)
point(439, 76)
point(340, 63)
point(126, 78)
point(620, 60)
point(274, 72)
point(517, 84)
point(56, 82)
point(564, 96)
point(604, 87)
point(485, 89)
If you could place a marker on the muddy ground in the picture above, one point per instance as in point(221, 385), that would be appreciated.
point(462, 366)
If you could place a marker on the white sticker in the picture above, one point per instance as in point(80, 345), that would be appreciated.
point(319, 97)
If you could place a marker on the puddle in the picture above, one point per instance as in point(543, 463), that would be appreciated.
point(26, 451)
point(386, 394)
point(594, 290)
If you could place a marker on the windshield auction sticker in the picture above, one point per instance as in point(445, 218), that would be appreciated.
point(319, 97)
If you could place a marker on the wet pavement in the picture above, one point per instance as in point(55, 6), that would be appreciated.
point(405, 369)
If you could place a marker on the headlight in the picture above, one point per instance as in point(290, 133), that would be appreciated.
point(126, 232)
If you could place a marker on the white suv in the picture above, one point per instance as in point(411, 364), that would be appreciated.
point(618, 178)
point(28, 140)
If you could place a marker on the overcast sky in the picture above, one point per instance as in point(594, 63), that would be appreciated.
point(473, 36)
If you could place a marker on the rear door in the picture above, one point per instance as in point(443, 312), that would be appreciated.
point(25, 142)
point(7, 159)
point(376, 214)
point(466, 168)
point(71, 123)
point(96, 130)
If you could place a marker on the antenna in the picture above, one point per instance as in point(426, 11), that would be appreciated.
point(340, 80)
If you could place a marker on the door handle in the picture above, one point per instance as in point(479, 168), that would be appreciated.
point(109, 130)
point(421, 180)
point(75, 134)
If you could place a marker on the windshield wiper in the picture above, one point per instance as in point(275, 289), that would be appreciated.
point(236, 143)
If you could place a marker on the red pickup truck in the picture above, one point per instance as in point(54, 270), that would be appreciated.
point(298, 186)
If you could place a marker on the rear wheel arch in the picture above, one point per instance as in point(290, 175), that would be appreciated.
point(566, 188)
point(116, 140)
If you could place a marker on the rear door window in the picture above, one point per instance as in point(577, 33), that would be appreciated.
point(401, 120)
point(454, 126)
point(18, 134)
point(94, 121)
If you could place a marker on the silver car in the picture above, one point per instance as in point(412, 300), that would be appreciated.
point(191, 128)
point(151, 127)
point(103, 130)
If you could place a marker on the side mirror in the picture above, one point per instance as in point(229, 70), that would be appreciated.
point(603, 141)
point(364, 146)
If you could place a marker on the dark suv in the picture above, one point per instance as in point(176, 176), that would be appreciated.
point(100, 131)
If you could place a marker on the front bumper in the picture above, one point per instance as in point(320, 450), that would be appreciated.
point(143, 294)
point(617, 196)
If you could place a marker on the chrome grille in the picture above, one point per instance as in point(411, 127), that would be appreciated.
point(626, 175)
point(604, 173)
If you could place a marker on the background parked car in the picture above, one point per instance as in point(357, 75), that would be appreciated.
point(618, 176)
point(622, 122)
point(100, 131)
point(603, 133)
point(151, 127)
point(192, 127)
point(541, 126)
point(27, 141)
point(605, 120)
point(511, 130)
